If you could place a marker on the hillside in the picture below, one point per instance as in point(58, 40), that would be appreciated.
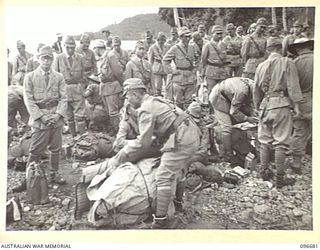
point(133, 28)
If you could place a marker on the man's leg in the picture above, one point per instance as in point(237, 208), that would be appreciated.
point(178, 94)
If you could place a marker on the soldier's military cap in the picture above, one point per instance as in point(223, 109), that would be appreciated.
point(201, 27)
point(261, 21)
point(273, 41)
point(131, 84)
point(139, 44)
point(300, 43)
point(99, 43)
point(217, 28)
point(45, 51)
point(148, 34)
point(230, 26)
point(116, 40)
point(85, 39)
point(184, 31)
point(20, 44)
point(194, 110)
point(69, 41)
point(161, 36)
point(59, 35)
point(196, 36)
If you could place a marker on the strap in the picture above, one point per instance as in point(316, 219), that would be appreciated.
point(141, 70)
point(185, 55)
point(257, 46)
point(217, 51)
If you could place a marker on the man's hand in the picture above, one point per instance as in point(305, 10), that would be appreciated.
point(45, 119)
point(252, 119)
point(70, 81)
point(296, 110)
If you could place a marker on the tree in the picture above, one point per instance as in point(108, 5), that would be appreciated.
point(273, 16)
point(284, 19)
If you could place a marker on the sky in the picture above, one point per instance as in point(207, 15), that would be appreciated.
point(33, 24)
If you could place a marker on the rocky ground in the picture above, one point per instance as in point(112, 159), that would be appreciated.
point(251, 204)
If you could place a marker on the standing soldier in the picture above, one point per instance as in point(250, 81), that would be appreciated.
point(57, 46)
point(111, 77)
point(33, 62)
point(174, 39)
point(19, 64)
point(99, 49)
point(179, 137)
point(254, 49)
point(181, 80)
point(90, 64)
point(276, 89)
point(233, 44)
point(148, 41)
point(155, 55)
point(289, 39)
point(251, 29)
point(138, 67)
point(46, 100)
point(302, 126)
point(71, 66)
point(214, 59)
point(197, 43)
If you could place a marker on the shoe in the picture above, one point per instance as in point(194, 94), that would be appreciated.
point(21, 187)
point(284, 181)
point(159, 222)
point(178, 206)
point(266, 174)
point(55, 177)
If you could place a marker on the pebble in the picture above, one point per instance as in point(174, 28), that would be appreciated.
point(26, 209)
point(248, 204)
point(307, 219)
point(246, 199)
point(52, 228)
point(297, 212)
point(260, 209)
point(37, 212)
point(62, 221)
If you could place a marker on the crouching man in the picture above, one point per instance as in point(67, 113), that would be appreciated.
point(46, 100)
point(174, 129)
point(232, 103)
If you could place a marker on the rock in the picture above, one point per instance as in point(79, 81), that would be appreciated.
point(66, 203)
point(52, 228)
point(307, 219)
point(260, 209)
point(37, 212)
point(297, 212)
point(289, 205)
point(264, 195)
point(62, 221)
point(248, 204)
point(245, 215)
point(246, 199)
point(26, 209)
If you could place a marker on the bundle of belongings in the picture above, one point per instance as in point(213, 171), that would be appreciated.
point(119, 196)
point(92, 145)
point(18, 153)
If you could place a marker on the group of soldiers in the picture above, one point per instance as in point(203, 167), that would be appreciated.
point(153, 97)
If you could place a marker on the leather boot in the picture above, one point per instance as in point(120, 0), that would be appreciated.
point(296, 167)
point(266, 174)
point(283, 180)
point(159, 222)
point(72, 128)
point(178, 201)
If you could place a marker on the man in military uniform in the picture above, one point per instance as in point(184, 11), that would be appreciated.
point(111, 77)
point(90, 64)
point(232, 103)
point(33, 62)
point(155, 55)
point(181, 84)
point(46, 100)
point(57, 46)
point(174, 39)
point(72, 66)
point(289, 39)
point(197, 42)
point(251, 29)
point(233, 44)
point(139, 67)
point(99, 50)
point(148, 41)
point(276, 88)
point(302, 126)
point(196, 113)
point(95, 110)
point(214, 58)
point(19, 64)
point(174, 129)
point(254, 49)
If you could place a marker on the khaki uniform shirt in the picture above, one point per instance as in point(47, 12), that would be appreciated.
point(304, 64)
point(90, 64)
point(233, 48)
point(138, 68)
point(32, 64)
point(37, 91)
point(277, 77)
point(155, 55)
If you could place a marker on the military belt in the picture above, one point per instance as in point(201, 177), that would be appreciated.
point(48, 104)
point(276, 94)
point(181, 68)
